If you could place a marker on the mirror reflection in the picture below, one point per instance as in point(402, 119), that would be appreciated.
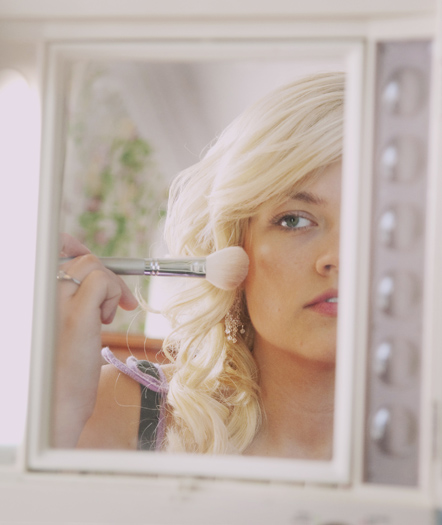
point(243, 370)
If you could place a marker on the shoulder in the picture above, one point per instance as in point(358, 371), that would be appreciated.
point(115, 420)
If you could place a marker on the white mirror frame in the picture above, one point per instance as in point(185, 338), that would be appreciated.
point(39, 455)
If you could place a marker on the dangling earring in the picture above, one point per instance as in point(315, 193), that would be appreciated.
point(233, 322)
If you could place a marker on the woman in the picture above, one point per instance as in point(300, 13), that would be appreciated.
point(252, 370)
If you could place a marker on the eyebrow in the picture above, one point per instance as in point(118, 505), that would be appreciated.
point(306, 196)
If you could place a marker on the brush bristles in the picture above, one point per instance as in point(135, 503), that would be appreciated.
point(227, 268)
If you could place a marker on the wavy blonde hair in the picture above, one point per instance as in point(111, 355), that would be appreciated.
point(291, 133)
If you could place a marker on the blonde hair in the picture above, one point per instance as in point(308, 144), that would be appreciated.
point(288, 135)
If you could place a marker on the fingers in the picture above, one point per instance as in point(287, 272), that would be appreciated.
point(100, 291)
point(99, 288)
point(71, 247)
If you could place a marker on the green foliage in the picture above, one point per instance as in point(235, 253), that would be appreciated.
point(121, 199)
point(134, 154)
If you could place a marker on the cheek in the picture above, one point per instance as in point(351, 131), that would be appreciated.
point(268, 286)
point(263, 268)
point(278, 276)
point(264, 258)
point(268, 260)
point(283, 261)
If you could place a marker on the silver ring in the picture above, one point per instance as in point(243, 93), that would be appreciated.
point(63, 276)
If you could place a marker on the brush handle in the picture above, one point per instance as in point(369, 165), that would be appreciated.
point(183, 267)
point(190, 267)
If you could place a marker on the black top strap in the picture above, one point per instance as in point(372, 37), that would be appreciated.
point(150, 410)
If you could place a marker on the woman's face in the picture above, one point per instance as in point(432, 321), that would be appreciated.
point(292, 285)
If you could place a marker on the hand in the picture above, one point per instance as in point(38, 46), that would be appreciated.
point(82, 310)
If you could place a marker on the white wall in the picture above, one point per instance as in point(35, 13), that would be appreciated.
point(19, 173)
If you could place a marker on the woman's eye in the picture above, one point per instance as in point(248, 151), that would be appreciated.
point(294, 222)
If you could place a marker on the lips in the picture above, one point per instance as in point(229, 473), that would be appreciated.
point(325, 304)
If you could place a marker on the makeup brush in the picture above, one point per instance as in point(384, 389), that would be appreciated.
point(225, 269)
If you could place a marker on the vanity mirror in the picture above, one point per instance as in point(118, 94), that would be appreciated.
point(120, 122)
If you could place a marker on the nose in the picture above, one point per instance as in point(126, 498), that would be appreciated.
point(327, 261)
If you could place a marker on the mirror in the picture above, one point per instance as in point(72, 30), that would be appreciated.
point(131, 127)
point(128, 126)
